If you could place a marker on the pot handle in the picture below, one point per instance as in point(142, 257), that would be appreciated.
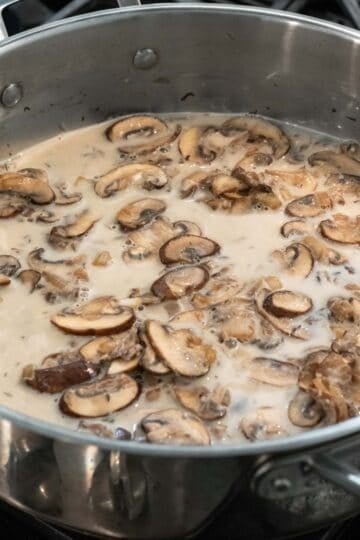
point(3, 5)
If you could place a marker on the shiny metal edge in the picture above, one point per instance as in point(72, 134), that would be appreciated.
point(302, 441)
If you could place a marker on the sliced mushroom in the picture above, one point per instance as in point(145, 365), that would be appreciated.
point(10, 206)
point(310, 206)
point(190, 317)
point(262, 424)
point(191, 146)
point(29, 278)
point(206, 404)
point(138, 213)
point(304, 411)
point(228, 186)
point(352, 149)
point(102, 259)
point(254, 160)
point(141, 133)
point(101, 397)
point(194, 181)
point(150, 176)
point(172, 426)
point(181, 350)
point(45, 216)
point(28, 186)
point(323, 253)
point(345, 309)
point(258, 129)
point(303, 182)
point(9, 265)
point(295, 227)
point(61, 236)
point(150, 360)
point(342, 229)
point(101, 316)
point(180, 282)
point(342, 162)
point(188, 248)
point(58, 372)
point(4, 280)
point(287, 304)
point(297, 260)
point(186, 227)
point(274, 372)
point(283, 324)
point(63, 198)
point(218, 289)
point(147, 241)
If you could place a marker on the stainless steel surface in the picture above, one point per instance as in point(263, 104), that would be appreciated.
point(145, 58)
point(259, 61)
point(11, 95)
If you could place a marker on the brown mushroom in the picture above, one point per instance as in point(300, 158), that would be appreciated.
point(61, 236)
point(310, 206)
point(63, 198)
point(323, 253)
point(150, 176)
point(26, 185)
point(141, 133)
point(146, 242)
point(186, 227)
point(101, 316)
point(171, 426)
point(287, 304)
point(191, 146)
point(260, 129)
point(10, 206)
point(304, 411)
point(254, 160)
point(29, 278)
point(342, 229)
point(219, 288)
point(188, 248)
point(351, 148)
point(297, 260)
point(180, 282)
point(190, 317)
point(58, 372)
point(102, 259)
point(150, 360)
point(223, 185)
point(9, 265)
point(345, 309)
point(206, 404)
point(300, 179)
point(4, 280)
point(295, 227)
point(181, 350)
point(100, 397)
point(344, 163)
point(262, 424)
point(194, 181)
point(274, 372)
point(138, 213)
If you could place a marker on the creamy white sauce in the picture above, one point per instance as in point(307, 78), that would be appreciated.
point(247, 241)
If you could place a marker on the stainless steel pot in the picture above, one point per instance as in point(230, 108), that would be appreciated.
point(177, 58)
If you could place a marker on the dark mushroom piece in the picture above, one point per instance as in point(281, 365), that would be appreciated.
point(61, 236)
point(295, 227)
point(9, 265)
point(172, 426)
point(4, 280)
point(311, 205)
point(342, 229)
point(100, 397)
point(206, 404)
point(194, 181)
point(138, 213)
point(287, 304)
point(150, 360)
point(344, 163)
point(180, 282)
point(274, 372)
point(28, 186)
point(186, 227)
point(140, 133)
point(180, 350)
point(223, 185)
point(262, 424)
point(29, 278)
point(297, 260)
point(144, 243)
point(345, 309)
point(191, 146)
point(188, 248)
point(260, 129)
point(101, 316)
point(150, 176)
point(304, 411)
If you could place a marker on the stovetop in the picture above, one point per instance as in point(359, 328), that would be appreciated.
point(31, 13)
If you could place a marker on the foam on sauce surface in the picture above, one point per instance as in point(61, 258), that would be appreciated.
point(247, 241)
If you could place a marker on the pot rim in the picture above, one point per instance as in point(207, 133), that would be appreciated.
point(68, 435)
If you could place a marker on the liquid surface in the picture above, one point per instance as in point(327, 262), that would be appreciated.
point(247, 241)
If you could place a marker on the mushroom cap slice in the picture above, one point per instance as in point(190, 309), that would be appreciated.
point(151, 176)
point(223, 185)
point(180, 282)
point(259, 128)
point(150, 360)
point(147, 241)
point(138, 213)
point(141, 133)
point(304, 411)
point(262, 424)
point(274, 372)
point(101, 316)
point(4, 280)
point(181, 350)
point(64, 199)
point(322, 252)
point(9, 265)
point(29, 278)
point(191, 147)
point(295, 227)
point(344, 163)
point(59, 371)
point(175, 427)
point(287, 304)
point(100, 397)
point(61, 235)
point(342, 229)
point(345, 309)
point(26, 185)
point(188, 248)
point(219, 289)
point(194, 181)
point(297, 260)
point(206, 404)
point(186, 227)
point(310, 206)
